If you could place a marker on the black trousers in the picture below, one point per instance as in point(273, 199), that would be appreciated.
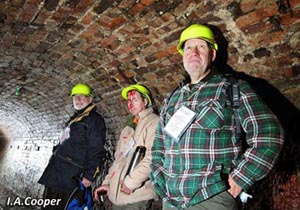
point(56, 194)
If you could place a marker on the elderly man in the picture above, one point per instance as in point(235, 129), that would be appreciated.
point(197, 157)
point(80, 151)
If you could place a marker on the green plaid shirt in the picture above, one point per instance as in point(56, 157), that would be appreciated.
point(192, 169)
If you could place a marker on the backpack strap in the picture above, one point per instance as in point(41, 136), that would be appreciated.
point(233, 94)
point(82, 115)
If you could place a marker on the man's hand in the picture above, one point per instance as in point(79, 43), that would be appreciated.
point(125, 189)
point(102, 187)
point(234, 190)
point(86, 182)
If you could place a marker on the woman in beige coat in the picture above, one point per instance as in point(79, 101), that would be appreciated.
point(133, 191)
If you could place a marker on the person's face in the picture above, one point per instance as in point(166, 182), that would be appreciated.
point(135, 102)
point(81, 101)
point(197, 59)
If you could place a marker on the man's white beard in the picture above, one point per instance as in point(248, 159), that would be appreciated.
point(80, 107)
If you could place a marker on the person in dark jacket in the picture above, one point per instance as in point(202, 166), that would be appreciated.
point(80, 151)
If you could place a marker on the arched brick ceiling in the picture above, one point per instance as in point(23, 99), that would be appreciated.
point(47, 46)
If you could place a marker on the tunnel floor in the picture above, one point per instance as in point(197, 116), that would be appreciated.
point(6, 194)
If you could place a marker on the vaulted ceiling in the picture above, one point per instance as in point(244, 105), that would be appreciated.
point(47, 46)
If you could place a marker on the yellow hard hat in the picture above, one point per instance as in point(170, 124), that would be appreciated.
point(81, 89)
point(196, 31)
point(137, 87)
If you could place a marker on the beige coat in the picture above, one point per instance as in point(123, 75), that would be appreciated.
point(138, 180)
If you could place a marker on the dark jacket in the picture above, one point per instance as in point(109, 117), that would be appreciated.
point(81, 153)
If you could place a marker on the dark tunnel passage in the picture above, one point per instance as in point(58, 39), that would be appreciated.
point(4, 143)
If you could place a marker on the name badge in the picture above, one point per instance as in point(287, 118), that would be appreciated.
point(179, 122)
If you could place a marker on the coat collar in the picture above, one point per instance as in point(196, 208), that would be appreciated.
point(141, 116)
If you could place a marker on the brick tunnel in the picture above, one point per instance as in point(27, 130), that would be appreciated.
point(47, 46)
